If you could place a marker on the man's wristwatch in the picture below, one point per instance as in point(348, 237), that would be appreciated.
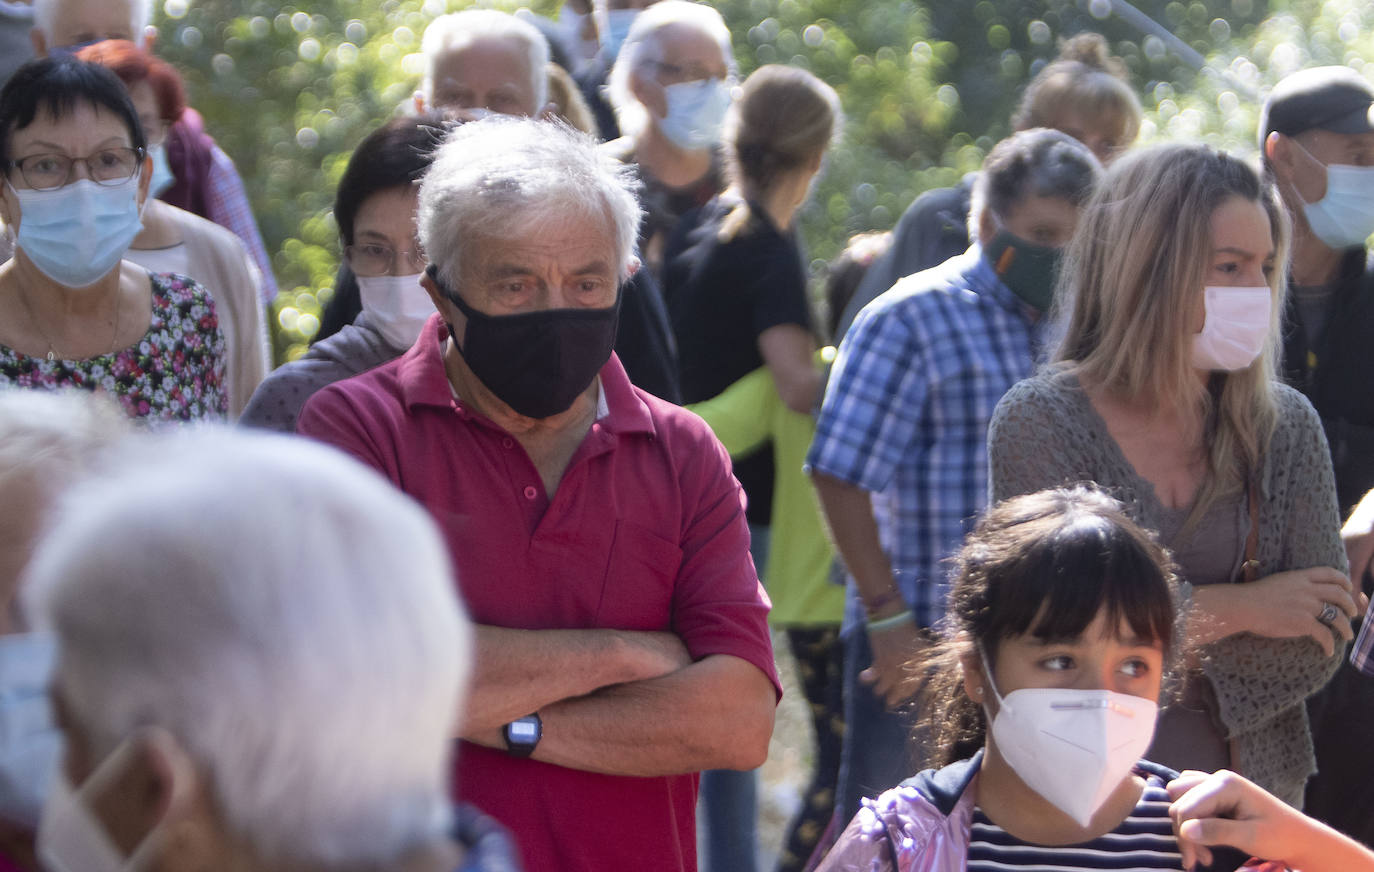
point(522, 735)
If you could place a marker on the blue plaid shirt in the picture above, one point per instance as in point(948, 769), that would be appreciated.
point(1362, 658)
point(906, 412)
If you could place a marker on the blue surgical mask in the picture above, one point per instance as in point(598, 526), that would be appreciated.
point(618, 22)
point(163, 177)
point(30, 742)
point(77, 233)
point(696, 113)
point(1344, 216)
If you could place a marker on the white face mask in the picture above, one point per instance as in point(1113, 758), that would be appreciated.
point(1234, 329)
point(396, 306)
point(72, 839)
point(1344, 216)
point(30, 743)
point(696, 113)
point(1073, 747)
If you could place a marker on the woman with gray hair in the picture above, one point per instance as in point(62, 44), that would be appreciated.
point(288, 705)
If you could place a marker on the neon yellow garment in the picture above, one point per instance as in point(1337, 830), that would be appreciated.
point(743, 417)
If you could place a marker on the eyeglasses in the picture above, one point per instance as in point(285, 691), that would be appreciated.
point(674, 74)
point(109, 166)
point(373, 259)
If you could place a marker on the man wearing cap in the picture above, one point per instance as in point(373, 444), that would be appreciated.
point(1317, 137)
point(1317, 130)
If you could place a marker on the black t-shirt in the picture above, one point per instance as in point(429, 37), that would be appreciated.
point(721, 296)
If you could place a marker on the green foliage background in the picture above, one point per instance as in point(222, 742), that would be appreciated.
point(288, 90)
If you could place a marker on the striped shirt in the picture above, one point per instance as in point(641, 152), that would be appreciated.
point(1143, 841)
point(906, 412)
point(1362, 658)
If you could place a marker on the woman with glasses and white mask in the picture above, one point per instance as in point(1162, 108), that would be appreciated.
point(1162, 388)
point(375, 210)
point(72, 313)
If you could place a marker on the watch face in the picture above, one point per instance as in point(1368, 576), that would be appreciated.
point(523, 731)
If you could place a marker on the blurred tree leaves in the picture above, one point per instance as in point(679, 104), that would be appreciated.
point(928, 88)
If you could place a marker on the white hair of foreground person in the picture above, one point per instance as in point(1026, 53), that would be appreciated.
point(48, 439)
point(55, 435)
point(642, 50)
point(503, 176)
point(140, 13)
point(284, 613)
point(457, 30)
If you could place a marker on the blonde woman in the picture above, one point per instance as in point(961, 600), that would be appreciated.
point(1162, 389)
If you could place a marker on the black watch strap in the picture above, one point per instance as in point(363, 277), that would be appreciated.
point(522, 735)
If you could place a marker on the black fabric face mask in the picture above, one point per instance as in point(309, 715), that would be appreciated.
point(1027, 269)
point(537, 363)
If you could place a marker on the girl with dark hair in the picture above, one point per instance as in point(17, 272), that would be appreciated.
point(1061, 631)
point(375, 210)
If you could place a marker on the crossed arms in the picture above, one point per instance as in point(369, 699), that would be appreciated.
point(620, 702)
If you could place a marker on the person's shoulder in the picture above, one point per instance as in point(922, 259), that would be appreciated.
point(374, 393)
point(206, 230)
point(930, 291)
point(1296, 420)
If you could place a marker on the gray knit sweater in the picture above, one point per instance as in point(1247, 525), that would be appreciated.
point(1045, 432)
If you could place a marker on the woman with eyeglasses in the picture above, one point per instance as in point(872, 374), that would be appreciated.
point(72, 312)
point(375, 210)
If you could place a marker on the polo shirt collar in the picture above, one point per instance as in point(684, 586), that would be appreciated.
point(424, 382)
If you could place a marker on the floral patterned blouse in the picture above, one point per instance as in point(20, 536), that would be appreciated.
point(174, 373)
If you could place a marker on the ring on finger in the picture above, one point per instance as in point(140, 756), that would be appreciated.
point(1328, 614)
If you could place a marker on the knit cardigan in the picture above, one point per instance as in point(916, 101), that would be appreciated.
point(1046, 433)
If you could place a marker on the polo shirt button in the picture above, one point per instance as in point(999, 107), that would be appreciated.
point(507, 443)
point(531, 493)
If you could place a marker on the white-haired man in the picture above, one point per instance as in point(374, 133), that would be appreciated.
point(484, 59)
point(284, 706)
point(598, 534)
point(206, 181)
point(671, 89)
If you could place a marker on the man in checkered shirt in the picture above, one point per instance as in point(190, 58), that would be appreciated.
point(900, 455)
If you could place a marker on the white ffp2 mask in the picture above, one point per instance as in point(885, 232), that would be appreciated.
point(1073, 747)
point(1234, 329)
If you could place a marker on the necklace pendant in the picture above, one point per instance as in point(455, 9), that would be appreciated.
point(51, 356)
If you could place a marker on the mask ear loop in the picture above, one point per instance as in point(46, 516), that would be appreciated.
point(987, 672)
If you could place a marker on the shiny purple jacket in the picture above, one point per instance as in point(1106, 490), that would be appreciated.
point(922, 825)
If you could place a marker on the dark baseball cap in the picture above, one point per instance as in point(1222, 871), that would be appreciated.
point(1330, 98)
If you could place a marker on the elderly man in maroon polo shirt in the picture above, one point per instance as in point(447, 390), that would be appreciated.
point(598, 535)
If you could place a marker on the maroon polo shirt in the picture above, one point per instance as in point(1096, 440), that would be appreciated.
point(645, 532)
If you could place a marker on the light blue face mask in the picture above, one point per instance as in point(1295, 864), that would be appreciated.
point(30, 742)
point(696, 113)
point(77, 233)
point(163, 177)
point(618, 22)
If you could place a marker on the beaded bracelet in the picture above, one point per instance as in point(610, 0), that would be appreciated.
point(900, 619)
